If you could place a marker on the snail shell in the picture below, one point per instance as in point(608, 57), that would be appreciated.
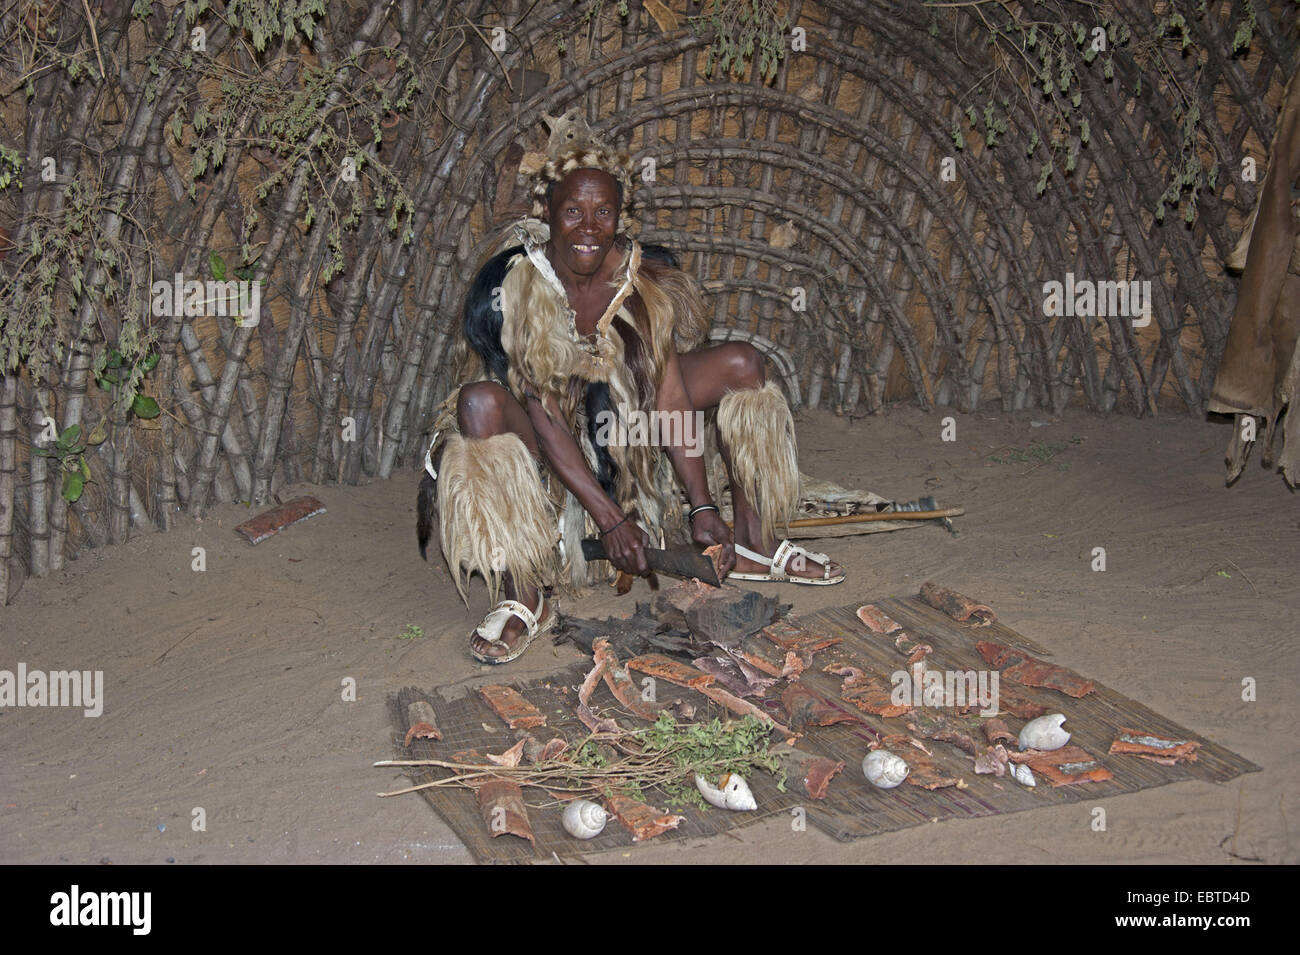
point(734, 792)
point(584, 819)
point(1044, 733)
point(884, 769)
point(1023, 775)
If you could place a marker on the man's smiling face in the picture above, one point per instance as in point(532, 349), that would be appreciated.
point(583, 216)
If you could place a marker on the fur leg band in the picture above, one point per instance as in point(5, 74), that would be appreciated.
point(758, 430)
point(495, 515)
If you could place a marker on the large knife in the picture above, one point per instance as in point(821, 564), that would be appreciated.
point(678, 563)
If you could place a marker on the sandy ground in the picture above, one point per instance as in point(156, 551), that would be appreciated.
point(224, 689)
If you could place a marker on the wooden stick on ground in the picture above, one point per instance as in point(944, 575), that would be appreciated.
point(878, 516)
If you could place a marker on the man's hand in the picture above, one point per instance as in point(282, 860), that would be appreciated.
point(708, 528)
point(625, 547)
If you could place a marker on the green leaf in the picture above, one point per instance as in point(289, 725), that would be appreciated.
point(74, 482)
point(218, 266)
point(151, 362)
point(145, 407)
point(70, 436)
point(85, 468)
point(1241, 39)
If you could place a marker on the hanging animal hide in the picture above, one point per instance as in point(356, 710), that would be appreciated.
point(1258, 377)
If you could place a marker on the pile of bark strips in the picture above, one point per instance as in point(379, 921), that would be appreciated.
point(714, 628)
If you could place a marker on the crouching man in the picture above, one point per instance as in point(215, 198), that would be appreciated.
point(575, 327)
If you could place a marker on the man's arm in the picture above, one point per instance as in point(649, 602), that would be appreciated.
point(625, 542)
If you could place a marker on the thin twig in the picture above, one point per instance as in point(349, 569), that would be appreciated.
point(94, 38)
point(163, 655)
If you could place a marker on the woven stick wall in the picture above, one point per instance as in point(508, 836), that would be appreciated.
point(856, 184)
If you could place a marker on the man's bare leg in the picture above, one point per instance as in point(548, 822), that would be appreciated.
point(484, 410)
point(709, 374)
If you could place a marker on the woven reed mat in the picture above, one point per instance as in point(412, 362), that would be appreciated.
point(853, 808)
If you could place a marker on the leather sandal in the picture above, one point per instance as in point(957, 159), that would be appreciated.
point(781, 560)
point(494, 624)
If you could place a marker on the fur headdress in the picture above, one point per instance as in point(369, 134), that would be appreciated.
point(573, 146)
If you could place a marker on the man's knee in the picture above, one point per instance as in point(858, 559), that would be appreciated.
point(744, 365)
point(480, 409)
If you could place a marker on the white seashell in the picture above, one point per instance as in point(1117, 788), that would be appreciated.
point(1023, 775)
point(1044, 733)
point(734, 794)
point(884, 769)
point(584, 819)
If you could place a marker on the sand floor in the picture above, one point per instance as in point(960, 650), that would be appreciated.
point(224, 689)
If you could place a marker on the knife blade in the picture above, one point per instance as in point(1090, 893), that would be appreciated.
point(675, 562)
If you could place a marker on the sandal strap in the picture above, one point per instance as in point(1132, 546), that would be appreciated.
point(742, 551)
point(781, 558)
point(490, 629)
point(820, 558)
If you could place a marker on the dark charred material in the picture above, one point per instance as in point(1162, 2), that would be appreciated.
point(631, 636)
point(719, 615)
